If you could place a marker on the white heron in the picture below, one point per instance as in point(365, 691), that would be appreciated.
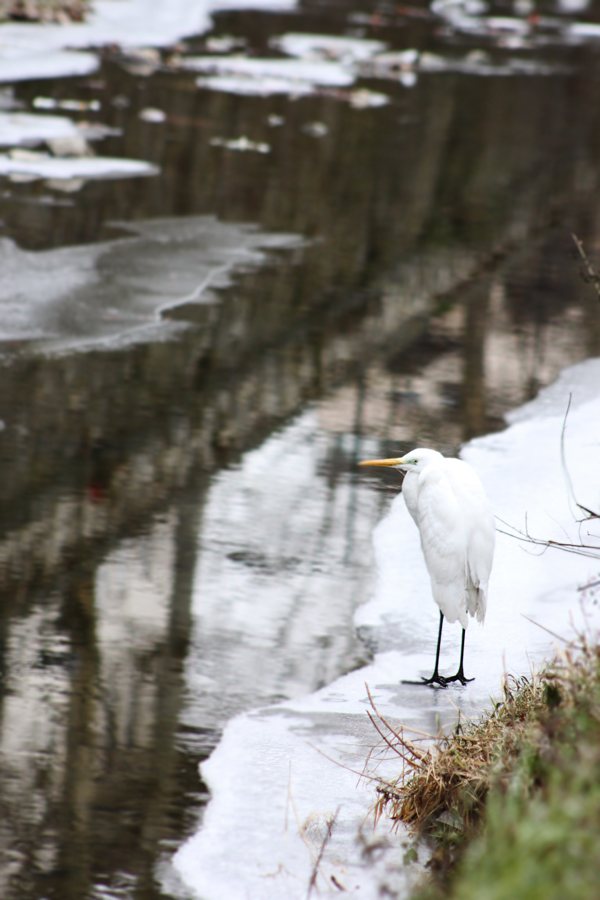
point(447, 501)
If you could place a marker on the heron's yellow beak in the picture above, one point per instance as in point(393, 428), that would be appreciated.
point(383, 462)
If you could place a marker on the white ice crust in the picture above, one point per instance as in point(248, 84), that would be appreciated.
point(297, 74)
point(326, 46)
point(49, 51)
point(28, 128)
point(319, 61)
point(21, 63)
point(269, 772)
point(86, 167)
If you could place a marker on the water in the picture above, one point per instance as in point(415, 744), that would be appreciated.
point(183, 531)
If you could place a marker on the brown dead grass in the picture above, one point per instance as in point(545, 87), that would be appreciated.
point(446, 781)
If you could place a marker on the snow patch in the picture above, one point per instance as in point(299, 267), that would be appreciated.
point(84, 167)
point(31, 50)
point(327, 47)
point(23, 64)
point(245, 74)
point(17, 128)
point(320, 61)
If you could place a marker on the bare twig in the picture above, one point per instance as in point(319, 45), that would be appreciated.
point(543, 627)
point(395, 748)
point(425, 734)
point(315, 871)
point(590, 585)
point(590, 550)
point(563, 460)
point(591, 513)
point(361, 775)
point(593, 276)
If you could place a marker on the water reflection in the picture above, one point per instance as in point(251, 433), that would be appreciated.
point(187, 512)
point(284, 559)
point(139, 574)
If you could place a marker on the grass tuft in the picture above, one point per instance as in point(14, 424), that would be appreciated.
point(511, 803)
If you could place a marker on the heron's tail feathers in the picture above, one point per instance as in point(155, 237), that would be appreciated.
point(481, 605)
point(458, 602)
point(477, 601)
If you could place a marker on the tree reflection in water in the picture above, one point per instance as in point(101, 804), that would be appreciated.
point(182, 531)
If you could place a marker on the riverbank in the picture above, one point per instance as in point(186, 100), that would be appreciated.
point(509, 805)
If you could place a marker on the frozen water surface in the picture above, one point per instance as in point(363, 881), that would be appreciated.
point(116, 291)
point(273, 786)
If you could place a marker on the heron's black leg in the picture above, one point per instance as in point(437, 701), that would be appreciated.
point(436, 678)
point(460, 675)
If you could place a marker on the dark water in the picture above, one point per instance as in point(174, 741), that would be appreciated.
point(175, 512)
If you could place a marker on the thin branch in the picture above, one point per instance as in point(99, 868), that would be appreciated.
point(589, 550)
point(567, 476)
point(563, 460)
point(593, 276)
point(590, 585)
point(315, 871)
point(361, 775)
point(543, 627)
point(425, 734)
point(395, 749)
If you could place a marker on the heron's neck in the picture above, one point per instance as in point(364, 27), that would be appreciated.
point(409, 490)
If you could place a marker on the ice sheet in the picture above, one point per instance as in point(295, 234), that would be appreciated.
point(295, 72)
point(267, 775)
point(327, 47)
point(18, 128)
point(404, 66)
point(320, 61)
point(260, 86)
point(116, 291)
point(521, 31)
point(29, 50)
point(86, 167)
point(22, 64)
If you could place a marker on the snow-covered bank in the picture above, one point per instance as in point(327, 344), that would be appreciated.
point(273, 790)
point(30, 50)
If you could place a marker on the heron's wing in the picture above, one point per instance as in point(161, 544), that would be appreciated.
point(443, 539)
point(477, 517)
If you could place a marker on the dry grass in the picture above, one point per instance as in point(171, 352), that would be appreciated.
point(446, 782)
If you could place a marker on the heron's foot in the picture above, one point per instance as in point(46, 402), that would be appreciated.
point(460, 676)
point(436, 679)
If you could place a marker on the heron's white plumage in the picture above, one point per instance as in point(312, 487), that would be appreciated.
point(447, 501)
